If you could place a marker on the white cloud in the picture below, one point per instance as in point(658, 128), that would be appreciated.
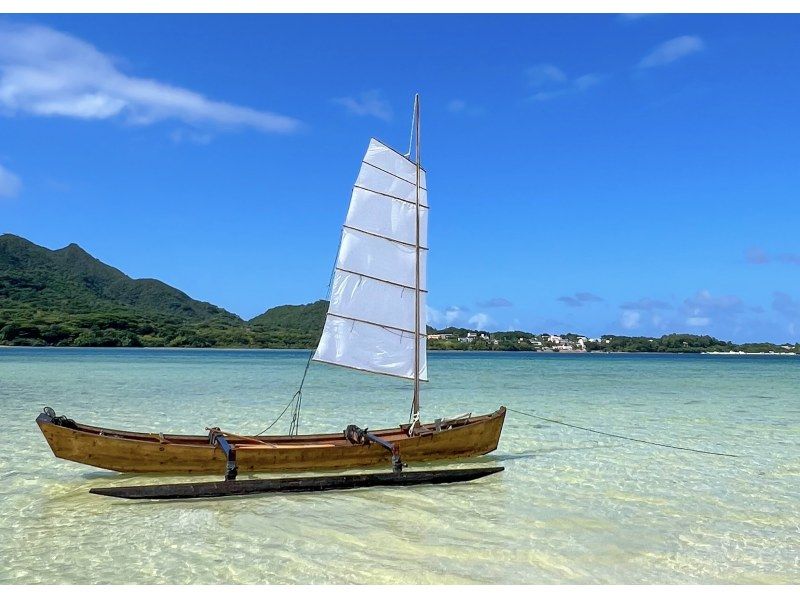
point(551, 82)
point(672, 50)
point(703, 303)
point(646, 304)
point(480, 321)
point(630, 17)
point(630, 319)
point(703, 308)
point(189, 136)
point(369, 103)
point(456, 105)
point(456, 316)
point(584, 82)
point(698, 321)
point(451, 314)
point(541, 75)
point(10, 184)
point(433, 316)
point(48, 73)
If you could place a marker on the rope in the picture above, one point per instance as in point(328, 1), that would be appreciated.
point(279, 417)
point(294, 425)
point(297, 397)
point(672, 446)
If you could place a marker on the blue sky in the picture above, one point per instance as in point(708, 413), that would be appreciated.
point(597, 174)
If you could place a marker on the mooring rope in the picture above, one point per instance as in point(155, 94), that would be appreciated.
point(661, 444)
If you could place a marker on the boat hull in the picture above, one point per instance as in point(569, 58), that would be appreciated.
point(133, 452)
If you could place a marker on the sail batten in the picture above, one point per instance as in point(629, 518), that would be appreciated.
point(405, 157)
point(394, 284)
point(401, 331)
point(368, 347)
point(409, 201)
point(373, 302)
point(384, 237)
point(402, 178)
point(370, 325)
point(377, 179)
point(379, 258)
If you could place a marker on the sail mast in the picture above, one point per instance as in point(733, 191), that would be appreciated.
point(415, 401)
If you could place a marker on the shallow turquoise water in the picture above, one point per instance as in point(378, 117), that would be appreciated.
point(571, 506)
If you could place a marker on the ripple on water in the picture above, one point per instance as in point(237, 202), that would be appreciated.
point(570, 507)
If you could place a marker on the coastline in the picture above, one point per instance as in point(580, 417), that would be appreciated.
point(746, 353)
point(464, 351)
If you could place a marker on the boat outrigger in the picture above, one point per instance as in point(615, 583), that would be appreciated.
point(375, 323)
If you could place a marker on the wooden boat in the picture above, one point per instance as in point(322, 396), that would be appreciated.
point(134, 452)
point(375, 324)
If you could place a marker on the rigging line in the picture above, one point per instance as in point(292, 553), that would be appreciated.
point(672, 446)
point(297, 399)
point(285, 409)
point(294, 425)
point(297, 396)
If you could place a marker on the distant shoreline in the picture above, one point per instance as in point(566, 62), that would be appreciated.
point(68, 299)
point(746, 353)
point(482, 352)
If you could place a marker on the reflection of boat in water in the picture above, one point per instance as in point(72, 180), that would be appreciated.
point(375, 323)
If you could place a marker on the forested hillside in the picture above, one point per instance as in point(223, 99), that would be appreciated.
point(66, 297)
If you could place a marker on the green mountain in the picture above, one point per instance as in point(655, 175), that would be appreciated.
point(295, 325)
point(66, 297)
point(72, 280)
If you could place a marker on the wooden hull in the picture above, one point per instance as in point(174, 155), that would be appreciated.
point(134, 452)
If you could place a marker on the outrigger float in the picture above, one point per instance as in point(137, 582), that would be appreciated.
point(375, 323)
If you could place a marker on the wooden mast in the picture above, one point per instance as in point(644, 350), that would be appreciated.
point(415, 402)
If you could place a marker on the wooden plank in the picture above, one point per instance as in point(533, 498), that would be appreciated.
point(299, 484)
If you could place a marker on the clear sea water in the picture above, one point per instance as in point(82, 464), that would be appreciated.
point(571, 507)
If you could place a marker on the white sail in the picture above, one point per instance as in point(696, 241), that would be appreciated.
point(370, 321)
